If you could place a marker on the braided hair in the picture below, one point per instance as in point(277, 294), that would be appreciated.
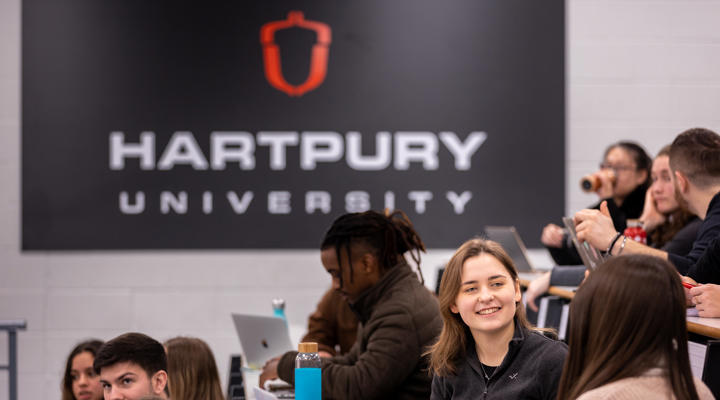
point(388, 236)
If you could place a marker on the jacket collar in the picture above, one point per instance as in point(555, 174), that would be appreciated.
point(513, 348)
point(364, 305)
point(713, 203)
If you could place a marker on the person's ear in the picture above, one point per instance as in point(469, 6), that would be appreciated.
point(369, 263)
point(454, 309)
point(518, 292)
point(681, 182)
point(159, 381)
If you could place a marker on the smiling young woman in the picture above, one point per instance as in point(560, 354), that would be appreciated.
point(487, 345)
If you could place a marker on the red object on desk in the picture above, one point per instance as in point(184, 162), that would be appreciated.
point(688, 285)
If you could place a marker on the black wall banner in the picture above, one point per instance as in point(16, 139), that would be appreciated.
point(253, 124)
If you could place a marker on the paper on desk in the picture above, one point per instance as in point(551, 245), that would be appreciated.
point(692, 312)
point(272, 385)
point(697, 351)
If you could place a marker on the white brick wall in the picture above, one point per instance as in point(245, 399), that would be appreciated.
point(642, 70)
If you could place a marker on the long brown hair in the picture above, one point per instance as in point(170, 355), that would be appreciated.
point(675, 221)
point(91, 346)
point(192, 372)
point(628, 317)
point(455, 335)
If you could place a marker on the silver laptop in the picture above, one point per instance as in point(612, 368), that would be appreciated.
point(510, 240)
point(262, 337)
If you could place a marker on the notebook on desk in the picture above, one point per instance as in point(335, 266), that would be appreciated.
point(262, 337)
point(509, 239)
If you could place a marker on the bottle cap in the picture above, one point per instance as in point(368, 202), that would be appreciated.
point(308, 347)
point(634, 223)
point(278, 303)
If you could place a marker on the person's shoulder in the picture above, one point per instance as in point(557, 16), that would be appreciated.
point(409, 293)
point(539, 338)
point(640, 387)
point(703, 391)
point(545, 348)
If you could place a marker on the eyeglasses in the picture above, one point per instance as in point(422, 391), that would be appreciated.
point(617, 167)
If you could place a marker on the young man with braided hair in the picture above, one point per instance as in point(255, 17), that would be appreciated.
point(400, 318)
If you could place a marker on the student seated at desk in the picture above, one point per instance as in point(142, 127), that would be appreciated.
point(487, 347)
point(364, 255)
point(624, 177)
point(628, 335)
point(670, 227)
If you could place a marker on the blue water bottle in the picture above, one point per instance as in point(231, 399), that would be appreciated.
point(308, 379)
point(278, 306)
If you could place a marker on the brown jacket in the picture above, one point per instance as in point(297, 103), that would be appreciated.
point(333, 323)
point(400, 318)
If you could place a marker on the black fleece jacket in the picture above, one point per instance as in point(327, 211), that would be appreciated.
point(531, 370)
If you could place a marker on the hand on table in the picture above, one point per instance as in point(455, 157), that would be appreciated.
point(595, 227)
point(552, 236)
point(269, 371)
point(688, 296)
point(707, 300)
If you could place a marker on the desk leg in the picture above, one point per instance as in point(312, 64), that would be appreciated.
point(543, 311)
point(562, 329)
point(12, 364)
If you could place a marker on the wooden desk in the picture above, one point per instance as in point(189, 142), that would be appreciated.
point(709, 327)
point(566, 292)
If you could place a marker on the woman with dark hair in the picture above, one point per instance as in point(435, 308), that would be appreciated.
point(487, 346)
point(80, 382)
point(631, 344)
point(192, 372)
point(364, 255)
point(624, 177)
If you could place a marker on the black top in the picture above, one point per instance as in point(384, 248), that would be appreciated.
point(631, 208)
point(709, 230)
point(707, 269)
point(682, 242)
point(531, 369)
